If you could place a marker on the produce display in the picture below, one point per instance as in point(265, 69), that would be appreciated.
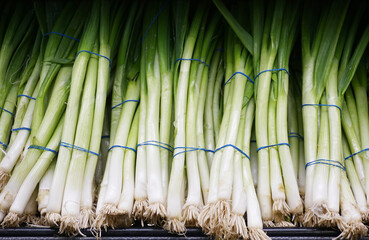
point(230, 116)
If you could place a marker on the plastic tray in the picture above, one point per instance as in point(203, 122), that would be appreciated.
point(158, 233)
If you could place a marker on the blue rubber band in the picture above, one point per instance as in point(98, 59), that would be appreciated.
point(238, 149)
point(272, 70)
point(21, 128)
point(120, 146)
point(96, 55)
point(61, 35)
point(241, 74)
point(192, 59)
point(23, 95)
point(295, 134)
point(354, 154)
point(68, 145)
point(274, 145)
point(7, 111)
point(326, 162)
point(105, 136)
point(42, 148)
point(323, 105)
point(219, 49)
point(191, 149)
point(253, 141)
point(152, 22)
point(157, 144)
point(3, 144)
point(129, 100)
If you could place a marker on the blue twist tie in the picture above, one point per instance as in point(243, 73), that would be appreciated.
point(274, 145)
point(191, 149)
point(129, 100)
point(21, 128)
point(105, 136)
point(241, 74)
point(96, 55)
point(68, 145)
point(272, 70)
point(323, 105)
point(120, 146)
point(191, 59)
point(152, 22)
point(61, 34)
point(326, 162)
point(42, 148)
point(230, 145)
point(7, 111)
point(23, 95)
point(3, 144)
point(157, 144)
point(354, 154)
point(295, 134)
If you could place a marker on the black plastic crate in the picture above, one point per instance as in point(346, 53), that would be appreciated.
point(154, 233)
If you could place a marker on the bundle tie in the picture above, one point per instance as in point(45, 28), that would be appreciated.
point(24, 95)
point(271, 70)
point(152, 22)
point(323, 105)
point(61, 34)
point(354, 154)
point(96, 55)
point(105, 136)
point(326, 162)
point(229, 79)
point(5, 110)
point(129, 100)
point(121, 146)
point(191, 59)
point(68, 145)
point(273, 145)
point(157, 144)
point(42, 148)
point(3, 144)
point(21, 128)
point(295, 134)
point(191, 149)
point(231, 145)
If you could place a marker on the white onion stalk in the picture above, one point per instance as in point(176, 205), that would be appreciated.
point(354, 144)
point(293, 127)
point(254, 219)
point(208, 217)
point(237, 224)
point(357, 188)
point(209, 131)
point(321, 173)
point(29, 215)
point(351, 224)
point(217, 106)
point(359, 86)
point(125, 205)
point(44, 191)
point(280, 208)
point(352, 109)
